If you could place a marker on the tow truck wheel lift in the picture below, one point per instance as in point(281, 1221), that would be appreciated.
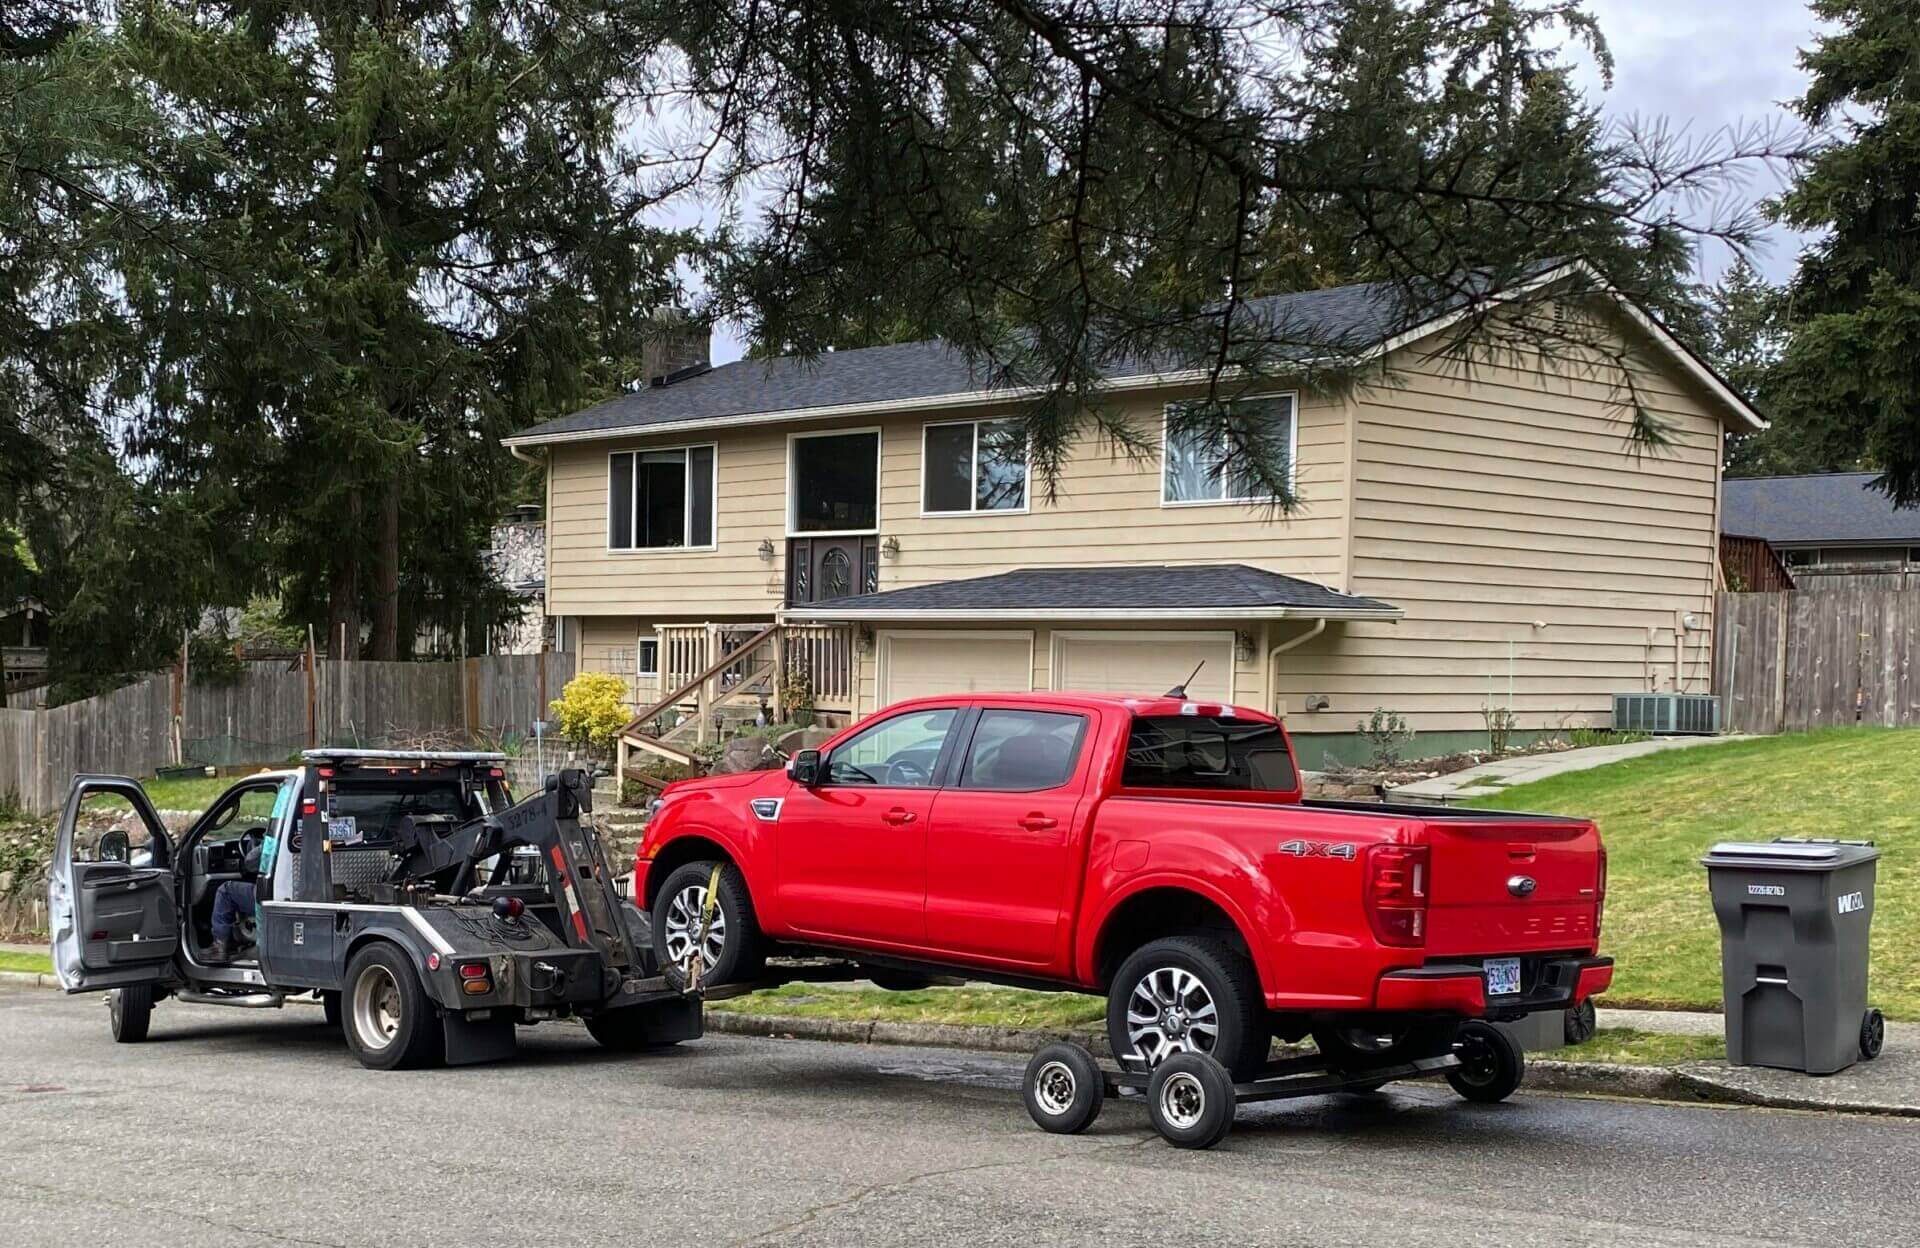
point(1191, 1098)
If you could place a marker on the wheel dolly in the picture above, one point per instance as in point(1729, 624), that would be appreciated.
point(1191, 1098)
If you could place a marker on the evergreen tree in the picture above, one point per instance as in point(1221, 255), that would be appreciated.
point(428, 230)
point(1847, 391)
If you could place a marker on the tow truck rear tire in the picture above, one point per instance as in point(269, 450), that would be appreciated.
point(131, 1012)
point(1491, 1063)
point(741, 951)
point(388, 1020)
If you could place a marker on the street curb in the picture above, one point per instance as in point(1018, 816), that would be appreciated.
point(1544, 1074)
point(28, 979)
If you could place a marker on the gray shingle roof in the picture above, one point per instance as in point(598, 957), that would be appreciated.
point(1822, 508)
point(1146, 592)
point(1343, 318)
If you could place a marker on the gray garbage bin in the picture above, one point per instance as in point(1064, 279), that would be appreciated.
point(1794, 916)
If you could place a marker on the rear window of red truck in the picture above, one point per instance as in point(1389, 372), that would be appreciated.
point(1208, 754)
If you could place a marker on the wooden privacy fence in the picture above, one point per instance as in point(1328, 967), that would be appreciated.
point(1787, 662)
point(271, 713)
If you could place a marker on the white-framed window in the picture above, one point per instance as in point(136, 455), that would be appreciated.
point(661, 499)
point(833, 483)
point(647, 658)
point(1194, 467)
point(973, 466)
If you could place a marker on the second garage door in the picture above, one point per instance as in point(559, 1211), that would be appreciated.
point(918, 664)
point(1144, 662)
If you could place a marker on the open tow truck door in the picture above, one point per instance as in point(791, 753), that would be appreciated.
point(110, 894)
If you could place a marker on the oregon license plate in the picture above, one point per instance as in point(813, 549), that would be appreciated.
point(1503, 977)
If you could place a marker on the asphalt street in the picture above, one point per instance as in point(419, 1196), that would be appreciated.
point(244, 1127)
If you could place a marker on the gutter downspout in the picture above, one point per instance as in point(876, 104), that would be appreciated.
point(1274, 653)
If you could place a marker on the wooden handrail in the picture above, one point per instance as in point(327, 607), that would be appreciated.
point(724, 661)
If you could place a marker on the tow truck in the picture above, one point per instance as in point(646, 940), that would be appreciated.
point(428, 912)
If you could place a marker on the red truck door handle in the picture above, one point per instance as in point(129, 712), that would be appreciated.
point(900, 814)
point(1037, 822)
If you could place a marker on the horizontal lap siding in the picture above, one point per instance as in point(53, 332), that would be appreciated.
point(1106, 511)
point(1490, 502)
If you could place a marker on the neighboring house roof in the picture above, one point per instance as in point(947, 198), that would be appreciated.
point(1817, 509)
point(1159, 592)
point(1358, 320)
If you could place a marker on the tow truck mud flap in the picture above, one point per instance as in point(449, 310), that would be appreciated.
point(470, 1042)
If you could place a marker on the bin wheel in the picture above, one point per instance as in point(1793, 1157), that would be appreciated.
point(1190, 1099)
point(1491, 1063)
point(1581, 1022)
point(1064, 1089)
point(1873, 1034)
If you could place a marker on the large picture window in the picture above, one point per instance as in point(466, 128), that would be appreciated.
point(835, 482)
point(659, 500)
point(1195, 467)
point(974, 465)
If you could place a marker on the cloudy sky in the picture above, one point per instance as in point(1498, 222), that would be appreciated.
point(1702, 64)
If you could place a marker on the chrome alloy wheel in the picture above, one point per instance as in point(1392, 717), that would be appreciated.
point(376, 1008)
point(1170, 1011)
point(683, 928)
point(1054, 1088)
point(1182, 1100)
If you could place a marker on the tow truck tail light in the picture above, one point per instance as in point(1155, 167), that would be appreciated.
point(1397, 893)
point(474, 980)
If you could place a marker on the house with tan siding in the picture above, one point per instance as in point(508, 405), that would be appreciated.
point(1473, 531)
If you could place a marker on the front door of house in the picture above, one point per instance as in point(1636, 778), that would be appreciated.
point(821, 569)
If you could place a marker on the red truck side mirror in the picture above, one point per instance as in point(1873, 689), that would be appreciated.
point(804, 768)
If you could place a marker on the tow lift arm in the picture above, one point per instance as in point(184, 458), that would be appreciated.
point(550, 823)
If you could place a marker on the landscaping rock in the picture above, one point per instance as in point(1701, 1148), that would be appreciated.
point(746, 754)
point(804, 739)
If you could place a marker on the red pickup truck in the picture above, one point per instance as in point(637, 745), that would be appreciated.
point(1152, 849)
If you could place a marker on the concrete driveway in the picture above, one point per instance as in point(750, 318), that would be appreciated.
point(233, 1127)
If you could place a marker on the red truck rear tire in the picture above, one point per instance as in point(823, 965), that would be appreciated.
point(1189, 994)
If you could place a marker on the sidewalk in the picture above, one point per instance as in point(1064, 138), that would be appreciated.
point(1491, 777)
point(1890, 1084)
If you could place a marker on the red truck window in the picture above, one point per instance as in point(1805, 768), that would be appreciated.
point(901, 752)
point(1023, 751)
point(1199, 752)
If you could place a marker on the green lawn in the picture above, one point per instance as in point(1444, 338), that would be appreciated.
point(1659, 813)
point(194, 794)
point(985, 1007)
point(36, 963)
point(1641, 1048)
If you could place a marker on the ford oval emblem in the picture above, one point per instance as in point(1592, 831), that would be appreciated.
point(1521, 885)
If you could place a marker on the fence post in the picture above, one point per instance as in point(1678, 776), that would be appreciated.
point(1782, 616)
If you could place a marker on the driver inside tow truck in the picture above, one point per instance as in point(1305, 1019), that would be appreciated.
point(233, 901)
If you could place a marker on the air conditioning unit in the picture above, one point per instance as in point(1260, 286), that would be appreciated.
point(1666, 714)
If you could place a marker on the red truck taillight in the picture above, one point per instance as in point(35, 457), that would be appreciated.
point(1600, 903)
point(1397, 893)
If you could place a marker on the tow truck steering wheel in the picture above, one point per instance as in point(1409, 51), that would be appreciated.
point(250, 843)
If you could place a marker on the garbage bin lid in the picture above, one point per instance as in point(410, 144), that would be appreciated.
point(1790, 855)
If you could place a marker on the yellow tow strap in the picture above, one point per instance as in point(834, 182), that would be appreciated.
point(695, 967)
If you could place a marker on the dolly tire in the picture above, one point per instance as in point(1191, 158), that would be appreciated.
point(130, 1010)
point(1190, 1100)
point(1491, 1063)
point(388, 1020)
point(1064, 1089)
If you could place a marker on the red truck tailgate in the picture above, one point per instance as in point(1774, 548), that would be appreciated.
point(1507, 884)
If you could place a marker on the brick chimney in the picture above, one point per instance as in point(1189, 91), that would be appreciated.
point(676, 346)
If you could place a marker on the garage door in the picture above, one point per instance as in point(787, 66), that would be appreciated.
point(1144, 662)
point(915, 664)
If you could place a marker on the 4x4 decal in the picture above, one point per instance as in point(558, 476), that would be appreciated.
point(1320, 849)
